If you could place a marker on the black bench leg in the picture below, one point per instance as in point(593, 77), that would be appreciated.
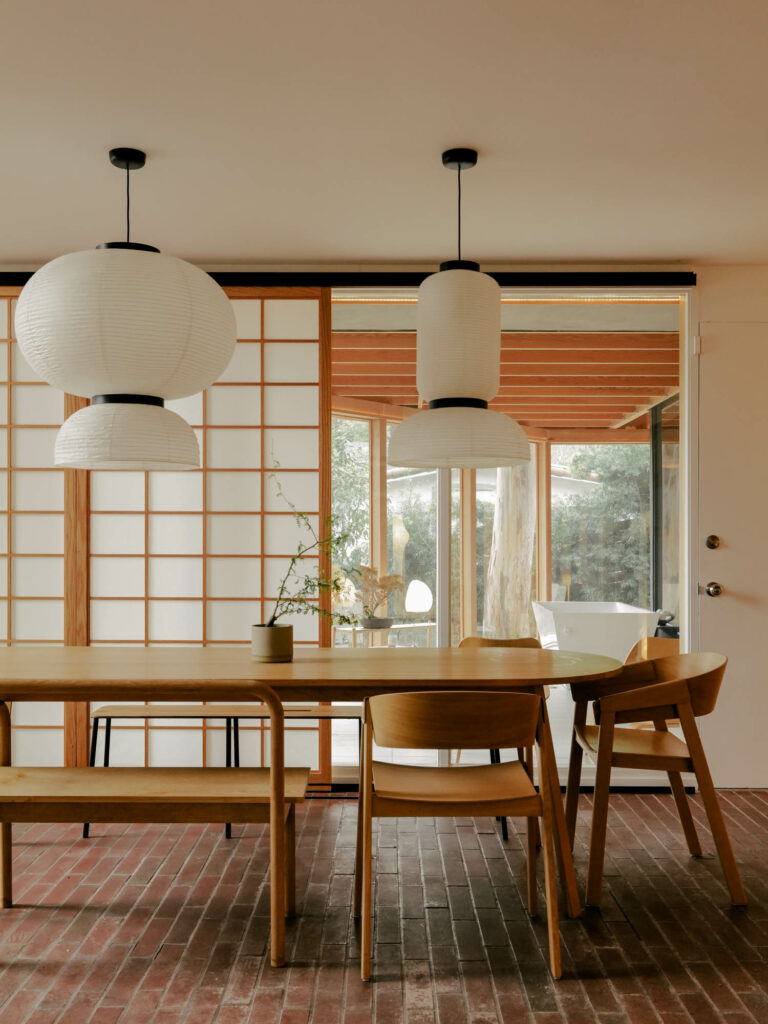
point(91, 764)
point(228, 762)
point(496, 759)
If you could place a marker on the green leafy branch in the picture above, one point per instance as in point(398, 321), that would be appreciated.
point(299, 589)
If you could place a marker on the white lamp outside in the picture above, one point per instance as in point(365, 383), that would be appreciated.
point(418, 597)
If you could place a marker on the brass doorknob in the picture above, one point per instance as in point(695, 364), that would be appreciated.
point(713, 589)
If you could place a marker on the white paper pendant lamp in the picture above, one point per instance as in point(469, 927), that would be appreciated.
point(120, 435)
point(127, 327)
point(458, 336)
point(455, 438)
point(458, 352)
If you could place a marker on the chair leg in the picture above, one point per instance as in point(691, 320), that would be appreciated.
point(496, 759)
point(550, 876)
point(6, 829)
point(681, 801)
point(228, 763)
point(358, 883)
point(526, 759)
point(366, 930)
point(684, 813)
point(548, 766)
point(712, 807)
point(530, 869)
point(574, 772)
point(600, 812)
point(290, 861)
point(91, 764)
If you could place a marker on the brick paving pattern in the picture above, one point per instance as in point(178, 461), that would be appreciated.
point(169, 924)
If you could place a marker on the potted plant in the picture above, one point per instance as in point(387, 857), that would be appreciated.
point(372, 592)
point(300, 588)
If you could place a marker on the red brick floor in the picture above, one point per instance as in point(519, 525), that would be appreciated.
point(166, 924)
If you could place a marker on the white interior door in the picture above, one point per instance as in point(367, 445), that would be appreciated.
point(733, 499)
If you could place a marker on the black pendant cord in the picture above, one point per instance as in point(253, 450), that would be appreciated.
point(128, 160)
point(127, 204)
point(459, 211)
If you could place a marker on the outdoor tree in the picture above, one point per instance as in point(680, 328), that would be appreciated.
point(351, 499)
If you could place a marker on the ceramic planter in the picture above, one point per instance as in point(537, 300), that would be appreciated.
point(272, 643)
point(376, 622)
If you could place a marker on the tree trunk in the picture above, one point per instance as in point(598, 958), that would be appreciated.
point(507, 610)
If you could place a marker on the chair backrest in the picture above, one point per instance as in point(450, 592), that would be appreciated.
point(652, 647)
point(704, 673)
point(491, 641)
point(452, 719)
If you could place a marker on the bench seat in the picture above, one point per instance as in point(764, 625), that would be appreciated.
point(143, 794)
point(127, 795)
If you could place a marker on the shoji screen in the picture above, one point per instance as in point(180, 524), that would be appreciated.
point(31, 533)
point(196, 558)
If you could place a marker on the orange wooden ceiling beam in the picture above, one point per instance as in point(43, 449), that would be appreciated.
point(584, 341)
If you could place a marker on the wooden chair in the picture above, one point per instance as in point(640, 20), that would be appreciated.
point(648, 647)
point(441, 721)
point(520, 641)
point(685, 687)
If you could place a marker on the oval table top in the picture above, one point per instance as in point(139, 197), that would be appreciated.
point(224, 673)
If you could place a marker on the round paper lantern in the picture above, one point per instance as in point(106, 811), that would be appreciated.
point(126, 321)
point(126, 436)
point(459, 336)
point(456, 438)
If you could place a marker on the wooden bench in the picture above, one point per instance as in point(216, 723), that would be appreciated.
point(189, 795)
point(231, 713)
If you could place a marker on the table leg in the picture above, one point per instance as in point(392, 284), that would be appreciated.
point(276, 822)
point(562, 845)
point(6, 848)
point(92, 764)
point(228, 764)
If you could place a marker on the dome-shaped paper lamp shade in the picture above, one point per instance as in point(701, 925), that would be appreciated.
point(125, 321)
point(458, 438)
point(418, 597)
point(458, 335)
point(122, 436)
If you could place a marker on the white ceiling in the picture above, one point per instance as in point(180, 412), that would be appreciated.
point(307, 133)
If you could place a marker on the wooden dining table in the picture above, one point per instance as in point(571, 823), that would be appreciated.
point(231, 674)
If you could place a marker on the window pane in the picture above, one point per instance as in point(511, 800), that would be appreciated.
point(350, 494)
point(412, 553)
point(669, 567)
point(601, 523)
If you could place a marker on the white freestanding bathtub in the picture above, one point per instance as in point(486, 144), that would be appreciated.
point(595, 627)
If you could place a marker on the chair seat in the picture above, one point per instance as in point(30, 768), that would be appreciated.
point(641, 743)
point(498, 783)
